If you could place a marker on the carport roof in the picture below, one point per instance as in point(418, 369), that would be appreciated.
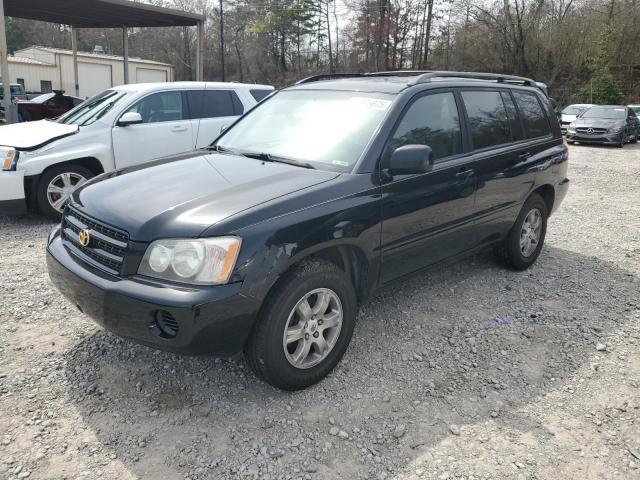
point(100, 13)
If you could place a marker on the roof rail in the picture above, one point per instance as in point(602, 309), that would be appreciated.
point(498, 77)
point(397, 73)
point(328, 76)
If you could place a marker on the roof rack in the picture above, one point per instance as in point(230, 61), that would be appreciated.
point(328, 76)
point(498, 77)
point(397, 73)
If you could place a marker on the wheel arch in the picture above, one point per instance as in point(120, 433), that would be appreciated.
point(91, 163)
point(349, 257)
point(548, 194)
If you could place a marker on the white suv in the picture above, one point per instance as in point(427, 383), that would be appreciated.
point(43, 162)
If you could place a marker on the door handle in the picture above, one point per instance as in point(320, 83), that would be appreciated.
point(464, 173)
point(179, 129)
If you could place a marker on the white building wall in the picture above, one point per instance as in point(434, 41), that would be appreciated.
point(33, 74)
point(62, 76)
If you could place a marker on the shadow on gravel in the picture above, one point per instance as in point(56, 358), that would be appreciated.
point(459, 345)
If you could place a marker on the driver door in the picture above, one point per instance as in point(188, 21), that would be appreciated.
point(428, 217)
point(165, 130)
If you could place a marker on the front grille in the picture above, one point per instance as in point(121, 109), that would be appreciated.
point(591, 131)
point(107, 246)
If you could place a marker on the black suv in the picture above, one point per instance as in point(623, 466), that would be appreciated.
point(269, 241)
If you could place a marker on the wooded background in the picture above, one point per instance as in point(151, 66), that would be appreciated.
point(583, 49)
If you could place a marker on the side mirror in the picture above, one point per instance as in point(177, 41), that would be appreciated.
point(411, 160)
point(129, 118)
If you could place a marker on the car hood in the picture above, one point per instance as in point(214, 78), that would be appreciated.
point(183, 196)
point(598, 122)
point(568, 118)
point(34, 135)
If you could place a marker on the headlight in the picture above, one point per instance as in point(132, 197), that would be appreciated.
point(571, 129)
point(206, 261)
point(615, 129)
point(9, 157)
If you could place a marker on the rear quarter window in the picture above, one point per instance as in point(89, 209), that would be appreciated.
point(533, 117)
point(260, 95)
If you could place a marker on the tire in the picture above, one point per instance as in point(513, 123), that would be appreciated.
point(634, 139)
point(55, 176)
point(571, 142)
point(510, 252)
point(268, 354)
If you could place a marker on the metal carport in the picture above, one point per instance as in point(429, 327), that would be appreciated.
point(95, 14)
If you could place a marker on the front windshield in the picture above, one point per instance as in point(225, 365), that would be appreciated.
point(93, 109)
point(327, 129)
point(574, 110)
point(605, 112)
point(42, 98)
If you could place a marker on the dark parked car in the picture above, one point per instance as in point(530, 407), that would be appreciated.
point(47, 105)
point(605, 124)
point(270, 241)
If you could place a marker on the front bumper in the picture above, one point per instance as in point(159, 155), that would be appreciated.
point(12, 197)
point(602, 138)
point(211, 320)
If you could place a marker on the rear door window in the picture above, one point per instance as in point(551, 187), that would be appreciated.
point(533, 116)
point(488, 119)
point(431, 120)
point(514, 119)
point(259, 95)
point(214, 103)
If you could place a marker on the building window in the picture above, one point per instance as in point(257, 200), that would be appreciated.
point(21, 82)
point(46, 86)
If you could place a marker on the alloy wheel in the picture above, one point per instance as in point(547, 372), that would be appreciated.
point(530, 232)
point(313, 328)
point(61, 187)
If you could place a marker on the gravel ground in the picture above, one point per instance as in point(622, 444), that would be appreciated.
point(466, 372)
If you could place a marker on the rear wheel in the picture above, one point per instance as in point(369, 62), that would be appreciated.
point(56, 186)
point(522, 246)
point(305, 326)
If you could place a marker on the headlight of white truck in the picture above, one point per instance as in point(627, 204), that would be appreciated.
point(198, 261)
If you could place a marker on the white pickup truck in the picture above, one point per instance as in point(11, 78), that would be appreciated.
point(43, 162)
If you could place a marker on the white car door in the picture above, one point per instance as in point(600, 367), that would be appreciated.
point(165, 130)
point(212, 111)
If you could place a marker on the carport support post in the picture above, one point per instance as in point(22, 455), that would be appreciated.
point(200, 52)
point(4, 64)
point(125, 45)
point(74, 47)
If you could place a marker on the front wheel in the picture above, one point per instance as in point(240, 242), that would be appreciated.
point(305, 326)
point(522, 246)
point(56, 186)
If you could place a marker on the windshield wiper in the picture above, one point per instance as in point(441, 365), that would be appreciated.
point(267, 157)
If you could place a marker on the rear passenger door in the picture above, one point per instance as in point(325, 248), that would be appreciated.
point(506, 151)
point(493, 131)
point(211, 112)
point(427, 217)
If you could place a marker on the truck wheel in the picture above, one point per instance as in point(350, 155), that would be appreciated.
point(522, 246)
point(305, 326)
point(56, 186)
